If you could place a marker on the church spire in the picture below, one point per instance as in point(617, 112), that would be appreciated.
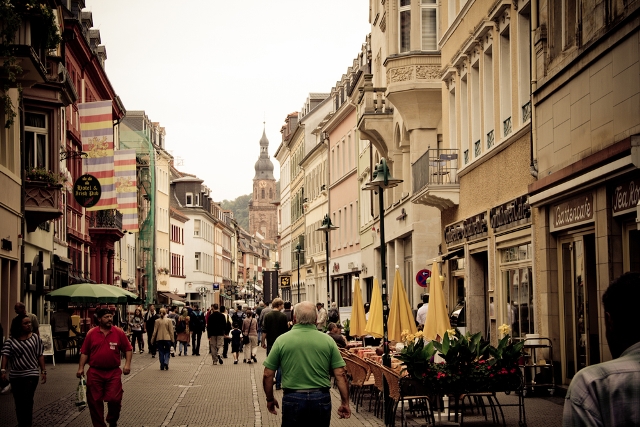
point(264, 167)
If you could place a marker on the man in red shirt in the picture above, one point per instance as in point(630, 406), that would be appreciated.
point(101, 349)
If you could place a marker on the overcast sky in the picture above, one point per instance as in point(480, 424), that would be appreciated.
point(211, 72)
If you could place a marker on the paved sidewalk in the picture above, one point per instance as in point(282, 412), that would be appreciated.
point(194, 393)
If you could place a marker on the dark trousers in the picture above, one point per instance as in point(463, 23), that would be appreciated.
point(225, 348)
point(23, 390)
point(104, 386)
point(309, 408)
point(152, 348)
point(137, 336)
point(195, 343)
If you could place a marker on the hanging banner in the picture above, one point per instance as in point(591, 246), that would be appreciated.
point(126, 188)
point(96, 128)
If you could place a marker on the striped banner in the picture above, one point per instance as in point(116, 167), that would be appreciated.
point(96, 128)
point(126, 188)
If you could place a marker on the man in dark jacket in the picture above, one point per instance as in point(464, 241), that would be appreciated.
point(216, 330)
point(149, 322)
point(197, 323)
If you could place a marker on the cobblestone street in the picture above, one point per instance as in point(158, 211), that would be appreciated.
point(194, 393)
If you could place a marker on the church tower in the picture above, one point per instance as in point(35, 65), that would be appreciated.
point(262, 210)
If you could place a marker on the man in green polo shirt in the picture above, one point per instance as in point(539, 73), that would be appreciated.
point(306, 357)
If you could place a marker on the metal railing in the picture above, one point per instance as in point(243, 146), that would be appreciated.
point(109, 218)
point(435, 167)
point(526, 111)
point(507, 126)
point(490, 139)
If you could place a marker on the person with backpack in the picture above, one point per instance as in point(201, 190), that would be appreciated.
point(182, 331)
point(334, 313)
point(150, 318)
point(197, 325)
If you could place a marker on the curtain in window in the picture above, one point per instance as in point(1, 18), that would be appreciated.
point(429, 28)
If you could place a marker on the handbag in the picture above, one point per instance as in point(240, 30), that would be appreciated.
point(245, 338)
point(81, 394)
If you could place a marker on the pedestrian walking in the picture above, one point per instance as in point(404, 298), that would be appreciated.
point(150, 318)
point(321, 322)
point(606, 394)
point(227, 338)
point(307, 358)
point(197, 324)
point(250, 329)
point(102, 347)
point(236, 342)
point(275, 324)
point(24, 349)
point(163, 334)
point(20, 308)
point(216, 327)
point(137, 329)
point(289, 313)
point(182, 329)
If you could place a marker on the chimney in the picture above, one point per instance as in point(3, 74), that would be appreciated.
point(94, 39)
point(86, 19)
point(101, 52)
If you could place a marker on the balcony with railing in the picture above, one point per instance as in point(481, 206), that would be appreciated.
point(435, 179)
point(107, 223)
point(375, 118)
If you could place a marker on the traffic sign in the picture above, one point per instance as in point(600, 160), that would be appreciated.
point(422, 276)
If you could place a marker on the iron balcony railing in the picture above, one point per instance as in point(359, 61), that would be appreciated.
point(109, 218)
point(435, 167)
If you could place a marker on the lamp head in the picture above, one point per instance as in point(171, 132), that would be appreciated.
point(299, 249)
point(327, 225)
point(382, 178)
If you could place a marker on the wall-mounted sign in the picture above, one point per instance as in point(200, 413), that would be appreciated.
point(575, 211)
point(422, 276)
point(471, 228)
point(216, 286)
point(511, 214)
point(625, 195)
point(285, 282)
point(87, 190)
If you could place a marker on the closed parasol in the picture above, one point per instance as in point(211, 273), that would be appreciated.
point(437, 321)
point(374, 323)
point(400, 313)
point(358, 321)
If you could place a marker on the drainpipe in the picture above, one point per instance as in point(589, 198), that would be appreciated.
point(533, 24)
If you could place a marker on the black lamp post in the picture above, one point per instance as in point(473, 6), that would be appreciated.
point(298, 252)
point(326, 227)
point(254, 290)
point(380, 181)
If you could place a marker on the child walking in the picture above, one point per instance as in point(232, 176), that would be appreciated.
point(182, 329)
point(236, 342)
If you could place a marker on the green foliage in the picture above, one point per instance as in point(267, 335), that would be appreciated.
point(46, 176)
point(12, 13)
point(240, 209)
point(470, 363)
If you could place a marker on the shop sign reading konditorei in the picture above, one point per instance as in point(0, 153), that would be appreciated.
point(471, 228)
point(575, 211)
point(512, 214)
point(625, 196)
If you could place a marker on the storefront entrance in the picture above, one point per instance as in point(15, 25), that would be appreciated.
point(578, 295)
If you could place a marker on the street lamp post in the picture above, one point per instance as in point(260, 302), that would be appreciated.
point(326, 227)
point(298, 252)
point(253, 293)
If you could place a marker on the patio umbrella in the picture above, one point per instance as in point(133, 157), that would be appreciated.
point(91, 293)
point(437, 321)
point(374, 324)
point(400, 313)
point(358, 321)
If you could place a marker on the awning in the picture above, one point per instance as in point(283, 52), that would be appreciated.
point(62, 260)
point(458, 253)
point(171, 296)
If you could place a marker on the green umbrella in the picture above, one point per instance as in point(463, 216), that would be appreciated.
point(91, 293)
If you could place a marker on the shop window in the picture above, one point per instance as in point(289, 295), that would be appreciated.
point(518, 289)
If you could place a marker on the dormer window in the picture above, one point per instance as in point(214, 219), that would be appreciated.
point(189, 199)
point(197, 200)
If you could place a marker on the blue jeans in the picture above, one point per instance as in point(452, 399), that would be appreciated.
point(164, 352)
point(308, 409)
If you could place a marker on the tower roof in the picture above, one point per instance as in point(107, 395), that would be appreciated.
point(264, 167)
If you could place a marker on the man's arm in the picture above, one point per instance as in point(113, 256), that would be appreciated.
point(267, 385)
point(341, 377)
point(83, 360)
point(264, 339)
point(127, 362)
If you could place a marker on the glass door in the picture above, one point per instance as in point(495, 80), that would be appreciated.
point(579, 304)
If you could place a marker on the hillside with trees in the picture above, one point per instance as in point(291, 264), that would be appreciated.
point(240, 209)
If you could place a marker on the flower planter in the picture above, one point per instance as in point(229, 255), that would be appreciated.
point(41, 203)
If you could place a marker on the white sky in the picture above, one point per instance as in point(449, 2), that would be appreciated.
point(212, 71)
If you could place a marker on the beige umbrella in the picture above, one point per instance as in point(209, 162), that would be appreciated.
point(374, 324)
point(437, 321)
point(400, 314)
point(358, 321)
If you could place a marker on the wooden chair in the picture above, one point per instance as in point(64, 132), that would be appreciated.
point(399, 392)
point(358, 376)
point(369, 381)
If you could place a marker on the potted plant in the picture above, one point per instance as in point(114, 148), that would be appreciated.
point(346, 328)
point(42, 175)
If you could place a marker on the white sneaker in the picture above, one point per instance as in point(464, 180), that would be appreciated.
point(6, 390)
